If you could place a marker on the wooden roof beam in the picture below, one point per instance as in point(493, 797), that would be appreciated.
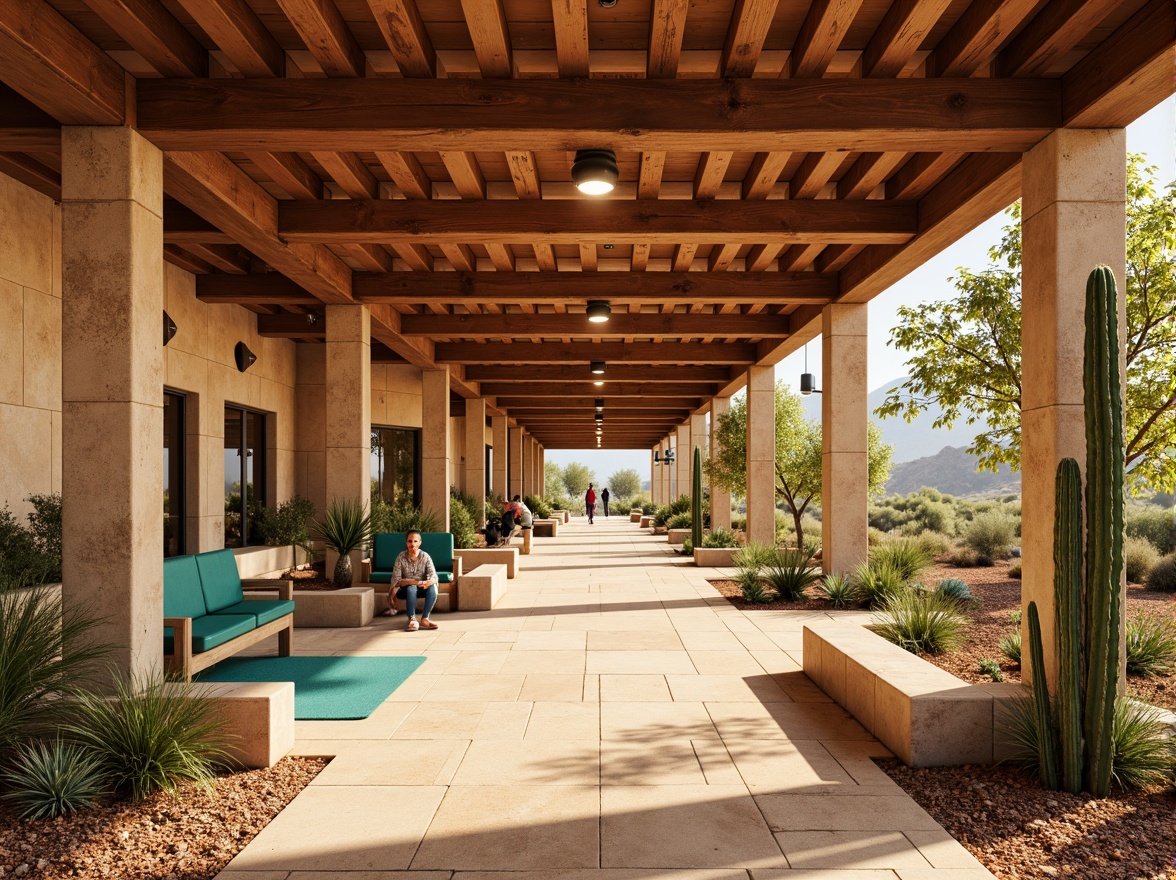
point(490, 34)
point(155, 34)
point(611, 391)
point(404, 31)
point(898, 37)
point(576, 324)
point(240, 34)
point(326, 35)
point(981, 31)
point(872, 115)
point(584, 352)
point(750, 22)
point(820, 36)
point(614, 405)
point(667, 25)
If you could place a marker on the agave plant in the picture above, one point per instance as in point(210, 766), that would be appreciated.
point(347, 526)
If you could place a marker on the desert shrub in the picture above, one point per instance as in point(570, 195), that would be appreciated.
point(990, 535)
point(1163, 575)
point(149, 737)
point(289, 523)
point(920, 621)
point(1151, 644)
point(539, 508)
point(877, 581)
point(739, 522)
point(964, 557)
point(1152, 523)
point(687, 546)
point(1015, 617)
point(954, 588)
point(44, 656)
point(790, 573)
point(21, 562)
point(50, 779)
point(1015, 571)
point(469, 502)
point(992, 669)
point(1141, 745)
point(720, 538)
point(909, 556)
point(1010, 646)
point(648, 509)
point(462, 527)
point(839, 590)
point(679, 521)
point(757, 555)
point(45, 527)
point(1138, 558)
point(934, 516)
point(402, 516)
point(751, 560)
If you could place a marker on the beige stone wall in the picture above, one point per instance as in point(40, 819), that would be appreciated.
point(30, 345)
point(397, 398)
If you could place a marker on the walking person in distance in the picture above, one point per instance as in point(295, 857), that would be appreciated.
point(590, 502)
point(604, 499)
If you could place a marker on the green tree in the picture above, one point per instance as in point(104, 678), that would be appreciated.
point(553, 486)
point(966, 351)
point(625, 483)
point(576, 478)
point(798, 455)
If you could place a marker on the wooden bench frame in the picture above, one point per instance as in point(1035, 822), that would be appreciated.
point(184, 662)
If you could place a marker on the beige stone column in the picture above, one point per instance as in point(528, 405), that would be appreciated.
point(541, 472)
point(112, 390)
point(1073, 219)
point(654, 467)
point(682, 460)
point(720, 498)
point(475, 452)
point(500, 458)
point(844, 419)
point(310, 458)
point(349, 402)
point(761, 454)
point(436, 449)
point(528, 464)
point(515, 470)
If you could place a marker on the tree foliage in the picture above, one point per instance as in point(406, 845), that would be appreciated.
point(576, 478)
point(966, 351)
point(624, 483)
point(798, 455)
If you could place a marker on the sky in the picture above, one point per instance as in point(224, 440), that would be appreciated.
point(1154, 133)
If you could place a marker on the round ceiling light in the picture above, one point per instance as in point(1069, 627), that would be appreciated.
point(598, 311)
point(595, 172)
point(598, 368)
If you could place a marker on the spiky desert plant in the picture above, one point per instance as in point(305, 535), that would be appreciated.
point(696, 499)
point(1010, 646)
point(1047, 763)
point(50, 779)
point(1067, 618)
point(346, 526)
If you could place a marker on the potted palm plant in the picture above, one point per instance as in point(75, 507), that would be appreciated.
point(346, 526)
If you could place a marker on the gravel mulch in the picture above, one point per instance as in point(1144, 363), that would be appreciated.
point(188, 837)
point(1018, 830)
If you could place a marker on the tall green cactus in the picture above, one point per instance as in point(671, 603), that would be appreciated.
point(696, 500)
point(1047, 761)
point(1104, 523)
point(1068, 618)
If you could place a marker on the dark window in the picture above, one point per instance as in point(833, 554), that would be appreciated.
point(245, 489)
point(396, 464)
point(173, 474)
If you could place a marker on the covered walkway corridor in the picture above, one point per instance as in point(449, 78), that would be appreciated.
point(614, 718)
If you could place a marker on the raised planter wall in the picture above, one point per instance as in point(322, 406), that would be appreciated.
point(255, 562)
point(715, 557)
point(341, 609)
point(508, 556)
point(678, 536)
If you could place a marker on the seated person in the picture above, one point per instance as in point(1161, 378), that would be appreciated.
point(507, 527)
point(522, 513)
point(413, 570)
point(493, 535)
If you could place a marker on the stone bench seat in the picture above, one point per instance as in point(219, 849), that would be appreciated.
point(922, 713)
point(482, 587)
point(475, 556)
point(545, 528)
point(645, 522)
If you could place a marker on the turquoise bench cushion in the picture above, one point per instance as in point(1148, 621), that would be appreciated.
point(380, 577)
point(219, 579)
point(444, 577)
point(212, 630)
point(264, 610)
point(386, 546)
point(439, 545)
point(182, 596)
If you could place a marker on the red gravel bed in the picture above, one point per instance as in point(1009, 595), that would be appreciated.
point(1018, 830)
point(188, 837)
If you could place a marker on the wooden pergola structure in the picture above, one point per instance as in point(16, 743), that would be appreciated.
point(775, 157)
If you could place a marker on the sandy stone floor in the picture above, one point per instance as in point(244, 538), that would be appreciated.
point(613, 718)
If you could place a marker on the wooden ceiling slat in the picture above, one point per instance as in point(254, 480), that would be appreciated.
point(639, 260)
point(667, 25)
point(490, 34)
point(239, 33)
point(721, 257)
point(51, 63)
point(405, 34)
point(571, 36)
point(763, 173)
point(577, 352)
point(899, 36)
point(652, 168)
point(704, 222)
point(983, 28)
point(187, 261)
point(460, 256)
point(406, 172)
point(867, 173)
point(155, 34)
point(820, 36)
point(712, 167)
point(326, 36)
point(684, 256)
point(545, 257)
point(919, 173)
point(750, 22)
point(617, 405)
point(1054, 31)
point(814, 172)
point(501, 256)
point(226, 258)
point(347, 170)
point(493, 326)
point(465, 174)
point(417, 256)
point(761, 256)
point(524, 173)
point(32, 173)
point(371, 257)
point(588, 256)
point(644, 381)
point(291, 173)
point(872, 115)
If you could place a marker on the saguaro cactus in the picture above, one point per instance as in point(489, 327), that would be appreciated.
point(1068, 618)
point(696, 500)
point(1046, 751)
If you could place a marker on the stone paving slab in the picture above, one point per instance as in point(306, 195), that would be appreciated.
point(613, 718)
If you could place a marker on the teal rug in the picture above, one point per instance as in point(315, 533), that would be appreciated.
point(325, 688)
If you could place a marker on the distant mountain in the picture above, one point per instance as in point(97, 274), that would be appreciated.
point(913, 440)
point(951, 470)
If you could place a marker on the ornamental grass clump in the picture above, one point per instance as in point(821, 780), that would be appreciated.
point(53, 778)
point(920, 622)
point(149, 737)
point(750, 561)
point(1139, 557)
point(1151, 645)
point(839, 590)
point(1010, 646)
point(1162, 576)
point(790, 573)
point(877, 581)
point(720, 538)
point(908, 556)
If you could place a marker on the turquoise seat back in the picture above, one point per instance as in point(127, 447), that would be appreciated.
point(386, 547)
point(439, 545)
point(182, 596)
point(219, 579)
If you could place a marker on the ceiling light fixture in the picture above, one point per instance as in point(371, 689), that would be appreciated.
point(597, 368)
point(595, 172)
point(598, 382)
point(598, 311)
point(600, 403)
point(807, 385)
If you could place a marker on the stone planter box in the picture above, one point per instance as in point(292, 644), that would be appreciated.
point(646, 522)
point(677, 536)
point(266, 561)
point(545, 528)
point(563, 516)
point(635, 516)
point(715, 557)
point(474, 556)
point(341, 609)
